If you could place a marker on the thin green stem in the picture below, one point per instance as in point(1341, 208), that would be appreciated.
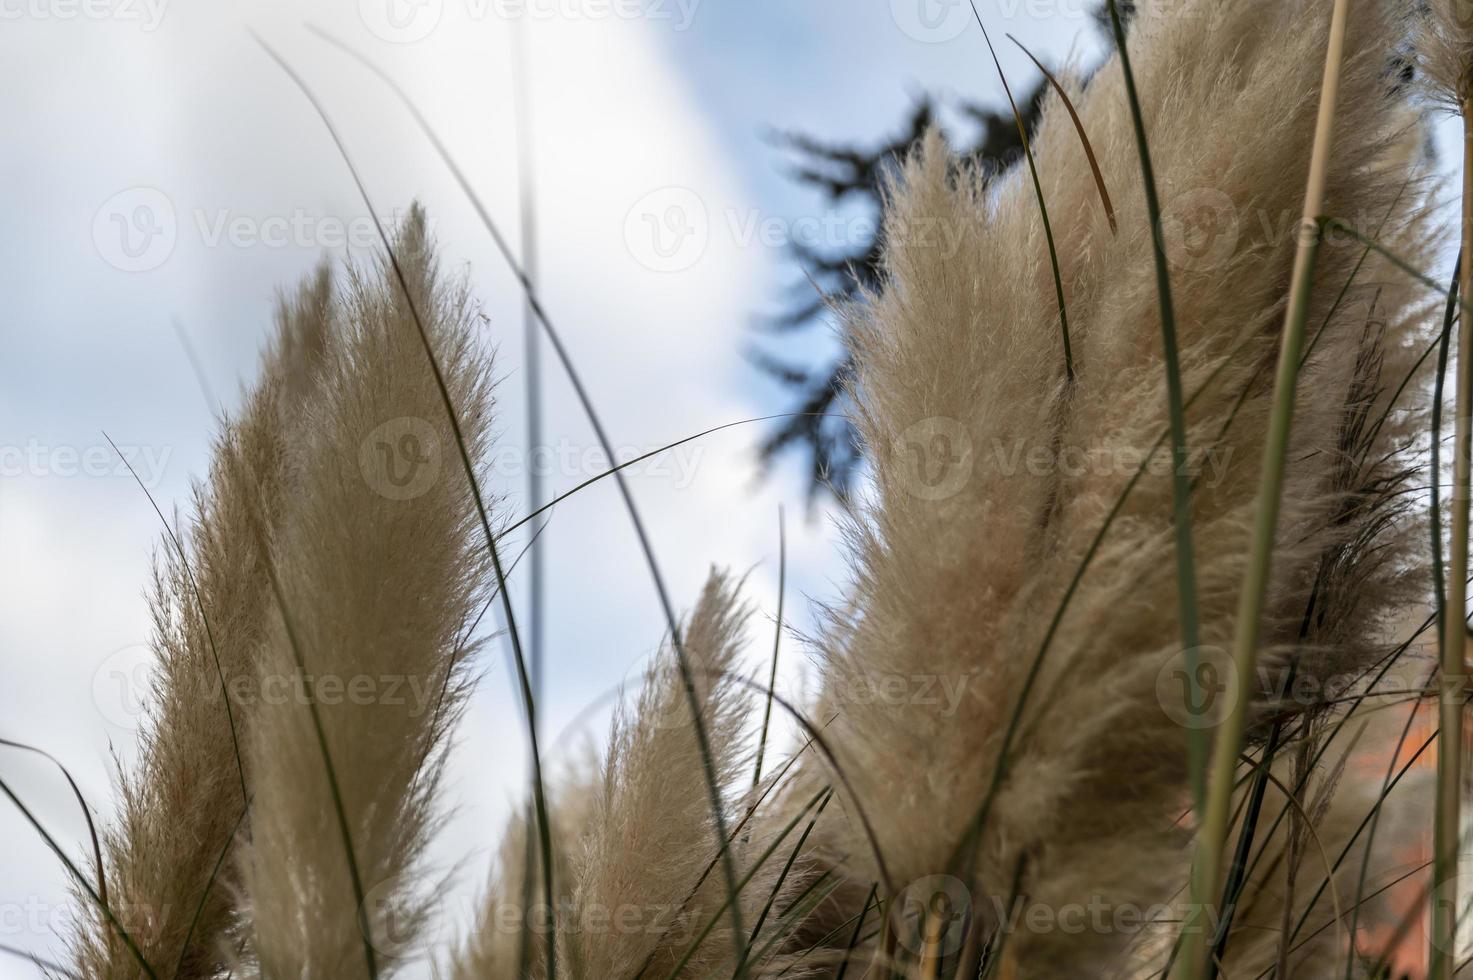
point(1186, 571)
point(1048, 228)
point(777, 639)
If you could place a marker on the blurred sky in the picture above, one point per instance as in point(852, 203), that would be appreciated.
point(160, 170)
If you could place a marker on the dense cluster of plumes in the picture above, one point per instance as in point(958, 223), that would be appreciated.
point(1013, 583)
point(962, 355)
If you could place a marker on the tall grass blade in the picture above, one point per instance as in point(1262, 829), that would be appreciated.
point(81, 804)
point(777, 639)
point(1360, 884)
point(1089, 150)
point(1186, 584)
point(1048, 228)
point(858, 930)
point(528, 702)
point(1206, 871)
point(39, 961)
point(205, 892)
point(787, 869)
point(81, 880)
point(1448, 821)
point(184, 563)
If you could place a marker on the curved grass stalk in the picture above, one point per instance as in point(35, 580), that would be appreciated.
point(860, 813)
point(199, 603)
point(801, 908)
point(858, 931)
point(1435, 522)
point(1390, 661)
point(777, 639)
point(81, 879)
point(1089, 150)
point(1378, 967)
point(1330, 868)
point(1365, 866)
point(999, 951)
point(1048, 228)
point(81, 804)
point(1365, 822)
point(615, 470)
point(1237, 873)
point(735, 833)
point(40, 961)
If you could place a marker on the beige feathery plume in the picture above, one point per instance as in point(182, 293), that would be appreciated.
point(1445, 52)
point(380, 568)
point(993, 474)
point(652, 834)
point(499, 934)
point(182, 805)
point(636, 896)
